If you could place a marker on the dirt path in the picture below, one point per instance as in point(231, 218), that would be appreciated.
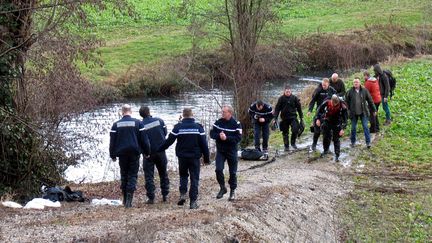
point(288, 200)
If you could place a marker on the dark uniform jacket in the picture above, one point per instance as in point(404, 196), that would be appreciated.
point(127, 137)
point(191, 140)
point(367, 104)
point(383, 81)
point(320, 95)
point(333, 115)
point(266, 112)
point(156, 131)
point(288, 107)
point(232, 130)
point(339, 87)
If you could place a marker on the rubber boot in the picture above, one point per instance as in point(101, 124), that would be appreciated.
point(194, 205)
point(232, 196)
point(221, 192)
point(129, 198)
point(182, 199)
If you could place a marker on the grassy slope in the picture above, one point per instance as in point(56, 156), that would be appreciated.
point(398, 206)
point(159, 33)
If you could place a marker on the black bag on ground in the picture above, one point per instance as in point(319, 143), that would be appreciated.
point(59, 194)
point(251, 154)
point(392, 81)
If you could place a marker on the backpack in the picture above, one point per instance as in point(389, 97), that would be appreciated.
point(392, 81)
point(251, 154)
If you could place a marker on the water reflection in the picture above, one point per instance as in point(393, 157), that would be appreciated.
point(95, 164)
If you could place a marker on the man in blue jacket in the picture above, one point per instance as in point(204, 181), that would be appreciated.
point(261, 115)
point(227, 133)
point(191, 144)
point(156, 131)
point(127, 141)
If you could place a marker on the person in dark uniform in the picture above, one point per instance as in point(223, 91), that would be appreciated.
point(338, 85)
point(288, 106)
point(321, 93)
point(227, 133)
point(156, 131)
point(191, 144)
point(127, 141)
point(332, 118)
point(261, 115)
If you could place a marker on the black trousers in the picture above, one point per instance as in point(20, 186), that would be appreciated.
point(231, 158)
point(158, 160)
point(129, 166)
point(331, 131)
point(374, 121)
point(285, 126)
point(189, 166)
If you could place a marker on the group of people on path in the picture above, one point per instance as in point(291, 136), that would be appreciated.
point(130, 137)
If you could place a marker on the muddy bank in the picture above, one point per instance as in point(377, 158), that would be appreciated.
point(288, 200)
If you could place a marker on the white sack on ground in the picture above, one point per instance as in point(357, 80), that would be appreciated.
point(11, 204)
point(40, 203)
point(105, 201)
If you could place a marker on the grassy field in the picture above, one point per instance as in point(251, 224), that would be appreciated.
point(392, 198)
point(159, 29)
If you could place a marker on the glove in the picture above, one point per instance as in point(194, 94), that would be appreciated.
point(114, 159)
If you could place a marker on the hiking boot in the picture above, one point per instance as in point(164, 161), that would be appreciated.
point(129, 198)
point(337, 158)
point(194, 205)
point(182, 199)
point(150, 201)
point(232, 196)
point(164, 198)
point(387, 122)
point(286, 148)
point(313, 147)
point(324, 153)
point(221, 192)
point(352, 145)
point(294, 146)
point(368, 146)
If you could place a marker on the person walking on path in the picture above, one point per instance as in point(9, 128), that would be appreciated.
point(127, 141)
point(384, 91)
point(156, 131)
point(332, 118)
point(372, 85)
point(227, 133)
point(360, 107)
point(321, 93)
point(191, 145)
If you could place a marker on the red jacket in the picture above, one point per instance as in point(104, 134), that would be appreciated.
point(372, 85)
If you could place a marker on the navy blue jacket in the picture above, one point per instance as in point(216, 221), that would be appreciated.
point(156, 131)
point(266, 112)
point(320, 95)
point(232, 130)
point(191, 140)
point(127, 137)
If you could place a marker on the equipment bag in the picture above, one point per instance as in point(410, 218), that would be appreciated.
point(251, 154)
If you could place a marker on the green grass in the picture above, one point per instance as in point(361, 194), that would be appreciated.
point(159, 29)
point(373, 213)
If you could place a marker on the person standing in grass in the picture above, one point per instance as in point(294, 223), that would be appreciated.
point(360, 106)
point(372, 85)
point(156, 131)
point(191, 145)
point(337, 84)
point(384, 91)
point(127, 141)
